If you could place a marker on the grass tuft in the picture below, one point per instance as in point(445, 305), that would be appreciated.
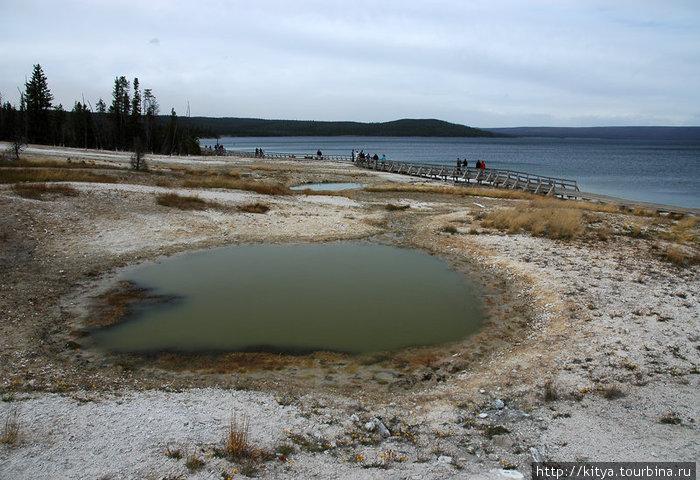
point(681, 256)
point(193, 461)
point(612, 392)
point(10, 432)
point(550, 393)
point(236, 441)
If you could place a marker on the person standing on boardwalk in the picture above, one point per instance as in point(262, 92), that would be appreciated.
point(478, 164)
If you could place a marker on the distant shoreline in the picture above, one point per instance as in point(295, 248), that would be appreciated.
point(212, 127)
point(684, 134)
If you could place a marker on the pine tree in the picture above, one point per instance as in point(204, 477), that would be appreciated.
point(38, 100)
point(119, 111)
point(135, 125)
point(150, 109)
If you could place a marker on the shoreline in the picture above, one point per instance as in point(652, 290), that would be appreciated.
point(608, 324)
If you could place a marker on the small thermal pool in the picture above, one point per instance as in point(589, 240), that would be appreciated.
point(329, 187)
point(353, 298)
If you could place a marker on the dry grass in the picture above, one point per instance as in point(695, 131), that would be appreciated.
point(10, 433)
point(681, 256)
point(193, 462)
point(230, 183)
point(16, 175)
point(550, 393)
point(396, 208)
point(612, 392)
point(449, 190)
point(182, 202)
point(555, 223)
point(255, 208)
point(236, 442)
point(37, 191)
point(684, 231)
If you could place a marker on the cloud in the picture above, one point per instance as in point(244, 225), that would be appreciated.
point(473, 62)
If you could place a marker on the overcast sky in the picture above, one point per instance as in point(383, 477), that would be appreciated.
point(483, 63)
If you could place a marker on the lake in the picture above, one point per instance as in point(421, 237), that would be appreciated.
point(665, 172)
point(352, 298)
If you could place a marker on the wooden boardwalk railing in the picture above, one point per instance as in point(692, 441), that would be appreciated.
point(490, 176)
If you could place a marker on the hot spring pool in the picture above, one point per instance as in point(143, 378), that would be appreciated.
point(353, 298)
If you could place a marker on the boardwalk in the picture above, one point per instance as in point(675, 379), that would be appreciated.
point(510, 179)
point(514, 180)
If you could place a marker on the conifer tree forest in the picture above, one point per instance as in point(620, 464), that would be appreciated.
point(131, 122)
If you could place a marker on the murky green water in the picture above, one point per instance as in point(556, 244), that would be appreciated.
point(295, 298)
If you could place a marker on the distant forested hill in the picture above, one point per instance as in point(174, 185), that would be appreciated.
point(254, 127)
point(620, 133)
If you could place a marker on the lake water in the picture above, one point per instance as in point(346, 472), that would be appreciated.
point(353, 298)
point(652, 171)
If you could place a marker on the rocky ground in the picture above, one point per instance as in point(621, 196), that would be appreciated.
point(590, 351)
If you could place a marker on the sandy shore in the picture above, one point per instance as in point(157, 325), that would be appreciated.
point(591, 351)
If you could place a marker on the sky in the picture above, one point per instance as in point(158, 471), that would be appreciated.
point(483, 63)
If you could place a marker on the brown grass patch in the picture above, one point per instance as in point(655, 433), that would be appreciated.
point(681, 256)
point(450, 190)
point(37, 191)
point(237, 184)
point(182, 202)
point(684, 231)
point(396, 208)
point(255, 208)
point(555, 223)
point(43, 175)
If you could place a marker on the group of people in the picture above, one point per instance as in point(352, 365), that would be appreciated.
point(217, 149)
point(479, 164)
point(362, 156)
point(259, 153)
